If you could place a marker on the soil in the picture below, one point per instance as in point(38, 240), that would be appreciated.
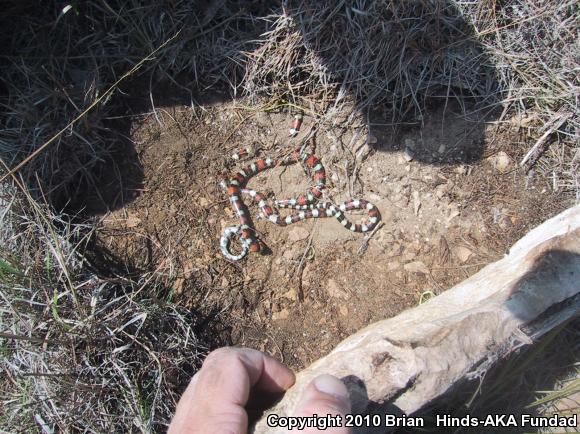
point(451, 197)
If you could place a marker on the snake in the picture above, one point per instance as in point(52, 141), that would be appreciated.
point(306, 205)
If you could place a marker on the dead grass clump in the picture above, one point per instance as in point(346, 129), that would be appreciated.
point(394, 53)
point(535, 47)
point(56, 61)
point(521, 56)
point(81, 353)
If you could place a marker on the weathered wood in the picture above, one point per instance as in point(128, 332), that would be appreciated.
point(411, 359)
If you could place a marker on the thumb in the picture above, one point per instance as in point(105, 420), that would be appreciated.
point(323, 396)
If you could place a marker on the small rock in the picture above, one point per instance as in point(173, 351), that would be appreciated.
point(334, 290)
point(462, 253)
point(418, 267)
point(291, 294)
point(297, 233)
point(372, 139)
point(343, 310)
point(501, 162)
point(441, 149)
point(202, 201)
point(283, 314)
point(392, 266)
point(408, 154)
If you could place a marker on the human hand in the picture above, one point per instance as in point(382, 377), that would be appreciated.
point(235, 380)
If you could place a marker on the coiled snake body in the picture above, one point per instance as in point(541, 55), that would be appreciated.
point(307, 205)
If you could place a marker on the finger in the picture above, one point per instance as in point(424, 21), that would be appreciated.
point(215, 399)
point(266, 373)
point(231, 372)
point(325, 395)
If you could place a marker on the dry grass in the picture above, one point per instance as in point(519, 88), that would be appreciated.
point(80, 352)
point(87, 353)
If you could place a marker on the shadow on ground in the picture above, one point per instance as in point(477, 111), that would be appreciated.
point(442, 85)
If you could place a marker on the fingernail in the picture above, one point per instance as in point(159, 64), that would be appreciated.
point(331, 386)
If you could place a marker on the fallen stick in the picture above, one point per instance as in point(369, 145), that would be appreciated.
point(542, 143)
point(403, 363)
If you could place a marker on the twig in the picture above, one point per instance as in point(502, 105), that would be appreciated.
point(300, 267)
point(365, 244)
point(542, 144)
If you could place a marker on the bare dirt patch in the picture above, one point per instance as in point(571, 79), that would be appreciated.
point(449, 206)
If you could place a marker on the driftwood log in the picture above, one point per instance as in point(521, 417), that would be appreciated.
point(403, 363)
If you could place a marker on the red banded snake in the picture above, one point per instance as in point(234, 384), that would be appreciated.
point(307, 204)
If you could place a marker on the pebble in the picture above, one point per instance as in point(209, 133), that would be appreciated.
point(418, 267)
point(202, 201)
point(291, 294)
point(501, 162)
point(462, 253)
point(408, 155)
